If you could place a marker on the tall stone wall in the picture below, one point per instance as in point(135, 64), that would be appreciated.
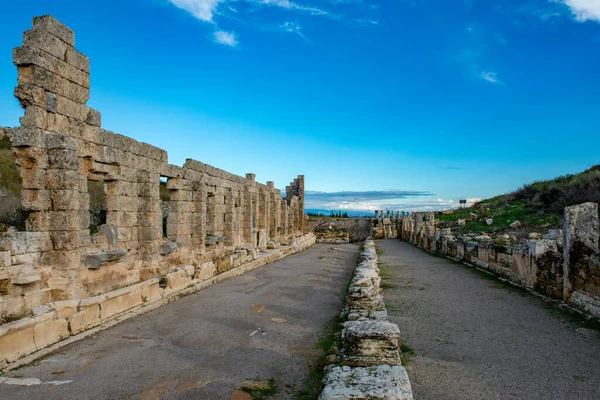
point(559, 265)
point(216, 220)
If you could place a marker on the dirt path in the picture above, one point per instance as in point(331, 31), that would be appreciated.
point(262, 325)
point(476, 338)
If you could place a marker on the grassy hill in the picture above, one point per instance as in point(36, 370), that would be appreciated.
point(538, 206)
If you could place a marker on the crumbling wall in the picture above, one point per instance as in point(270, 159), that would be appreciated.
point(340, 229)
point(57, 269)
point(564, 266)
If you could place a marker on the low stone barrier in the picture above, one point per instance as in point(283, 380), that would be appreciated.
point(62, 322)
point(370, 358)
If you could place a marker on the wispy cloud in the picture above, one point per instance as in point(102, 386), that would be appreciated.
point(352, 12)
point(202, 9)
point(292, 27)
point(490, 77)
point(226, 38)
point(584, 10)
point(290, 5)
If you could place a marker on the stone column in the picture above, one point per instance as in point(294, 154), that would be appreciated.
point(580, 240)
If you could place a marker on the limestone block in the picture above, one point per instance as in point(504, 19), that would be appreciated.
point(372, 383)
point(178, 280)
point(35, 117)
point(30, 95)
point(151, 290)
point(45, 41)
point(48, 330)
point(26, 55)
point(189, 269)
point(119, 301)
point(53, 83)
point(36, 298)
point(35, 199)
point(60, 159)
point(87, 317)
point(370, 343)
point(23, 274)
point(16, 339)
point(27, 137)
point(77, 59)
point(5, 259)
point(94, 117)
point(205, 271)
point(65, 308)
point(65, 240)
point(51, 25)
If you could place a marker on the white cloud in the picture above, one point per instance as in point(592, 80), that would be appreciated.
point(584, 10)
point(290, 5)
point(226, 38)
point(201, 9)
point(292, 27)
point(491, 77)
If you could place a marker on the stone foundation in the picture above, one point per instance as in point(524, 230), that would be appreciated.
point(370, 357)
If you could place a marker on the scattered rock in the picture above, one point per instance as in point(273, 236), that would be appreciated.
point(515, 224)
point(535, 236)
point(489, 221)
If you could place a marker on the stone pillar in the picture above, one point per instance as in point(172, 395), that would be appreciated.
point(580, 240)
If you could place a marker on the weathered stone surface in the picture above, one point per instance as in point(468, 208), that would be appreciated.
point(23, 274)
point(61, 151)
point(49, 24)
point(369, 343)
point(372, 383)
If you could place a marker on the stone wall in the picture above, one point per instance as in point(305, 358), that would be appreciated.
point(339, 230)
point(370, 365)
point(65, 279)
point(564, 266)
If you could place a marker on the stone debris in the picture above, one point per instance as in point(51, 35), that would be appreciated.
point(367, 383)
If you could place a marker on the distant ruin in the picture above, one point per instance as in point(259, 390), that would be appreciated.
point(57, 278)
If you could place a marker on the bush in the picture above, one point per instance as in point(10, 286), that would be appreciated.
point(556, 194)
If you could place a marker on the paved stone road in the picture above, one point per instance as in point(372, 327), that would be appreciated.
point(201, 346)
point(475, 338)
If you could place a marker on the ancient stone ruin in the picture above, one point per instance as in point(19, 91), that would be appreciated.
point(563, 263)
point(59, 277)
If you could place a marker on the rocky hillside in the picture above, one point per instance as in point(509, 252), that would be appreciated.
point(537, 207)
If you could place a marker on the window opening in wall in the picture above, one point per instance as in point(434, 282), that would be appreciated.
point(253, 212)
point(165, 198)
point(11, 212)
point(210, 212)
point(97, 192)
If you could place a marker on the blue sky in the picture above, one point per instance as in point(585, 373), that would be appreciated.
point(433, 100)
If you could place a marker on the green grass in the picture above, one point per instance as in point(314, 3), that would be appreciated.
point(313, 384)
point(406, 353)
point(262, 394)
point(539, 206)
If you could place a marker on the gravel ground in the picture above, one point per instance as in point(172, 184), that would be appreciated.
point(475, 337)
point(262, 325)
